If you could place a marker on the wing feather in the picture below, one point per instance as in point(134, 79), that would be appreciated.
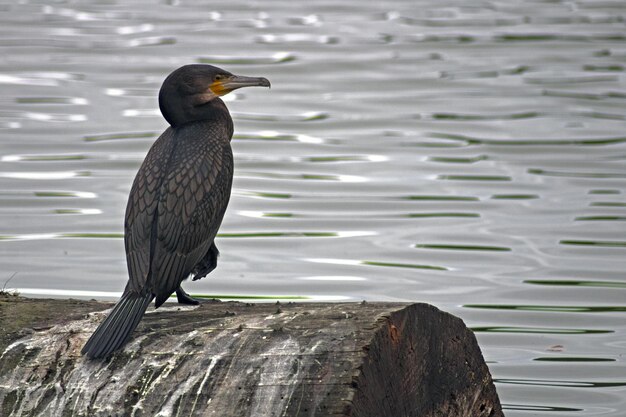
point(141, 210)
point(175, 207)
point(190, 209)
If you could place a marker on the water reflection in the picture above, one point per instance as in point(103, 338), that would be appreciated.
point(600, 218)
point(271, 135)
point(315, 177)
point(539, 408)
point(440, 198)
point(577, 283)
point(572, 359)
point(597, 243)
point(275, 58)
point(297, 38)
point(334, 261)
point(77, 194)
point(53, 175)
point(463, 247)
point(561, 383)
point(122, 135)
point(51, 117)
point(332, 278)
point(536, 330)
point(551, 308)
point(78, 211)
point(78, 101)
point(43, 157)
point(302, 117)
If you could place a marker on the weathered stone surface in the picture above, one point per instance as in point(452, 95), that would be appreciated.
point(234, 359)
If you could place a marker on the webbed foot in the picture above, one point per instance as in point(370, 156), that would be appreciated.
point(207, 264)
point(184, 298)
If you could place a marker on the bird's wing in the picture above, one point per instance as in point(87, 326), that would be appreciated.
point(193, 199)
point(141, 211)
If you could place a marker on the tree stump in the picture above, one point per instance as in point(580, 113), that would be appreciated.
point(234, 359)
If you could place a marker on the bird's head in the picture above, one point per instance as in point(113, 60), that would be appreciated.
point(188, 92)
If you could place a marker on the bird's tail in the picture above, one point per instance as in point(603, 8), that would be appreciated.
point(115, 330)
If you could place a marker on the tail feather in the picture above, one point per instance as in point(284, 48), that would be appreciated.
point(119, 328)
point(116, 329)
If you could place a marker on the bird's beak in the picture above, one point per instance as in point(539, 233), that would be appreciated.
point(226, 85)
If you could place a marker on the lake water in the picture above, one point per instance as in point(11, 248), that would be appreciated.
point(466, 154)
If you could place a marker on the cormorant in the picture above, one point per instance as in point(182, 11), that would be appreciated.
point(177, 200)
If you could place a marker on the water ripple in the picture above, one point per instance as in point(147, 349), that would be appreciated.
point(79, 101)
point(548, 173)
point(535, 408)
point(441, 214)
point(463, 247)
point(574, 359)
point(299, 177)
point(607, 204)
point(271, 135)
point(344, 158)
point(297, 38)
point(563, 37)
point(131, 30)
point(548, 308)
point(49, 117)
point(536, 330)
point(341, 278)
point(457, 177)
point(53, 175)
point(81, 15)
point(141, 113)
point(78, 211)
point(515, 196)
point(334, 234)
point(149, 41)
point(276, 58)
point(595, 243)
point(17, 80)
point(119, 136)
point(47, 194)
point(309, 20)
point(302, 117)
point(263, 195)
point(605, 218)
point(482, 117)
point(355, 262)
point(130, 92)
point(10, 125)
point(531, 142)
point(76, 194)
point(559, 383)
point(42, 157)
point(440, 198)
point(572, 79)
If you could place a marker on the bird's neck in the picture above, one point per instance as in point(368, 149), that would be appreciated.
point(214, 118)
point(180, 113)
point(215, 113)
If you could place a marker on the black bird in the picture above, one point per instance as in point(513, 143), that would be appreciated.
point(177, 200)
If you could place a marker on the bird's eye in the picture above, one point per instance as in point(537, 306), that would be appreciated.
point(219, 77)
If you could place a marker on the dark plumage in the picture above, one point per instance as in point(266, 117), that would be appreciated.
point(177, 200)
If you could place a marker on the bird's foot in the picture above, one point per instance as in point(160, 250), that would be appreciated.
point(184, 298)
point(200, 274)
point(207, 264)
point(202, 271)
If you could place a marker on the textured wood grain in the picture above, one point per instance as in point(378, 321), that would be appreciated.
point(234, 359)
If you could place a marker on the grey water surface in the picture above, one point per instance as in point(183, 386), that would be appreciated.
point(466, 154)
